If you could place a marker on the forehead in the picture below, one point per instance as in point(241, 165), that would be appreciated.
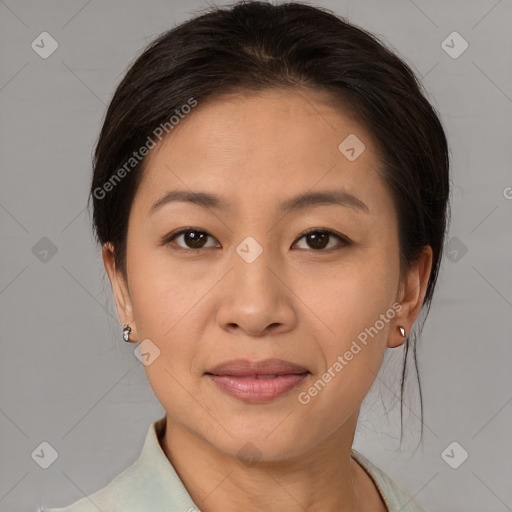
point(270, 144)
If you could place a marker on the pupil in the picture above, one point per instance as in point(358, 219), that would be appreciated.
point(193, 239)
point(315, 237)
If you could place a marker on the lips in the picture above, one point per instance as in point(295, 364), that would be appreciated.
point(261, 369)
point(257, 382)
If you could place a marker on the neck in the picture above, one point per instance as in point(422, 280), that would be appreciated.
point(325, 477)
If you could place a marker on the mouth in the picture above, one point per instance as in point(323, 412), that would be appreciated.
point(257, 382)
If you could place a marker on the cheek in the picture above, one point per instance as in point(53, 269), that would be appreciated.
point(163, 290)
point(167, 310)
point(349, 351)
point(345, 298)
point(352, 308)
point(358, 312)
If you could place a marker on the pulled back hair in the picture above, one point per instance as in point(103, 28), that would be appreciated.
point(253, 46)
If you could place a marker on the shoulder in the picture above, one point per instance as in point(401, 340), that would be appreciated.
point(395, 498)
point(112, 497)
point(129, 490)
point(149, 484)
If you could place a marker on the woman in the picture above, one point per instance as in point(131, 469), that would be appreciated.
point(270, 192)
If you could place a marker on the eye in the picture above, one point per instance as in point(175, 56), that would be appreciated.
point(192, 238)
point(319, 239)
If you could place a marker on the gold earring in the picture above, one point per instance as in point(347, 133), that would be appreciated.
point(402, 331)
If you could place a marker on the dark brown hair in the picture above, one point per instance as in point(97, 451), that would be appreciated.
point(253, 46)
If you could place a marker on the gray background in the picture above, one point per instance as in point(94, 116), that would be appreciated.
point(67, 377)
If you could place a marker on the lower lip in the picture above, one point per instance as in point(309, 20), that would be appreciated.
point(257, 390)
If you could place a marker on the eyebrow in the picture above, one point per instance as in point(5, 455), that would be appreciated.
point(309, 199)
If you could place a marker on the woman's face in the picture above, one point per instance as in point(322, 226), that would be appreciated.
point(246, 282)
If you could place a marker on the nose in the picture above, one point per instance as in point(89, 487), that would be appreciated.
point(255, 298)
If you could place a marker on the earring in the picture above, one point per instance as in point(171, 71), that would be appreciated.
point(402, 331)
point(126, 333)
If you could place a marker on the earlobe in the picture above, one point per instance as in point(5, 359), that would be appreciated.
point(397, 339)
point(411, 297)
point(119, 287)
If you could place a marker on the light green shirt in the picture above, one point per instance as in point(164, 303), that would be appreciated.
point(151, 484)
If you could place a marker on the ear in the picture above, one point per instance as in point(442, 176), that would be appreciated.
point(119, 288)
point(410, 296)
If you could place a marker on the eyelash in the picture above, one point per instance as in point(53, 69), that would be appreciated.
point(345, 241)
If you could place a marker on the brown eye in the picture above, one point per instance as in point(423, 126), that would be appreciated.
point(192, 239)
point(320, 239)
point(195, 239)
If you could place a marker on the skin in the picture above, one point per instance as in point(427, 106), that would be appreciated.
point(295, 301)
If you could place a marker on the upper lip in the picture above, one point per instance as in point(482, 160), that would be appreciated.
point(244, 367)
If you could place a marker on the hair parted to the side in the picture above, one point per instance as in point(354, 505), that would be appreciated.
point(255, 45)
